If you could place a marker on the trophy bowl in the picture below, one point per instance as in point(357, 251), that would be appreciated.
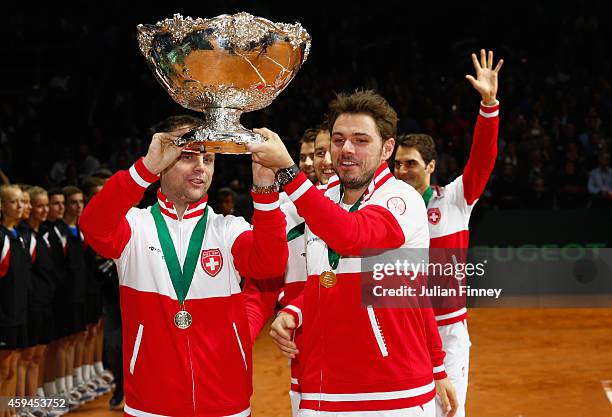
point(223, 67)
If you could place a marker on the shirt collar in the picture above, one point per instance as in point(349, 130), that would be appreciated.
point(166, 207)
point(381, 176)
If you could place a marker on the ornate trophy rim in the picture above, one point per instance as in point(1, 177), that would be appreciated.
point(170, 45)
point(180, 26)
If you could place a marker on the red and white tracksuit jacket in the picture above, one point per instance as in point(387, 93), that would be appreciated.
point(355, 358)
point(449, 208)
point(204, 370)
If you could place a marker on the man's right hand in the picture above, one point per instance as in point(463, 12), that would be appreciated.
point(162, 150)
point(486, 77)
point(281, 332)
point(272, 153)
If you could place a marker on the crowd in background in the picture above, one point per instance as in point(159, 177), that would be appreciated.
point(82, 103)
point(86, 99)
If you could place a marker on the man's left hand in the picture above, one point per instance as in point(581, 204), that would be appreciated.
point(447, 396)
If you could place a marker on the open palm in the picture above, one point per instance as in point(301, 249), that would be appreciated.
point(486, 76)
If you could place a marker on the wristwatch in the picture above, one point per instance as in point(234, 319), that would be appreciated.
point(285, 175)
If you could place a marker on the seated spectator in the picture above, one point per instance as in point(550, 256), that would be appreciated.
point(226, 201)
point(537, 168)
point(600, 182)
point(572, 153)
point(539, 195)
point(243, 200)
point(510, 155)
point(505, 189)
point(571, 187)
point(88, 163)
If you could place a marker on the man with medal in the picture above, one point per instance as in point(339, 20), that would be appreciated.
point(357, 360)
point(186, 336)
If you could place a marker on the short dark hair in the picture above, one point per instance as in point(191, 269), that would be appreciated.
point(55, 191)
point(172, 123)
point(71, 190)
point(366, 102)
point(324, 125)
point(226, 192)
point(309, 136)
point(422, 142)
point(90, 182)
point(103, 173)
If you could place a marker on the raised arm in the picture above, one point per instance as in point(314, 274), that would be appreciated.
point(373, 227)
point(103, 221)
point(262, 252)
point(347, 233)
point(484, 144)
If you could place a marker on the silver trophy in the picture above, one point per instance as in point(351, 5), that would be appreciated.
point(223, 67)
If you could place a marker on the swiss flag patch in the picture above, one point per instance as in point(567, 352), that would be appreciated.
point(434, 215)
point(211, 261)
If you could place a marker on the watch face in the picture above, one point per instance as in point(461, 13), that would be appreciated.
point(284, 176)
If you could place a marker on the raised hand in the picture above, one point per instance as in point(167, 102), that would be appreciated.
point(486, 76)
point(162, 150)
point(272, 153)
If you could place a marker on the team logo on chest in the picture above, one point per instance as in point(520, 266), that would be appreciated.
point(211, 261)
point(434, 215)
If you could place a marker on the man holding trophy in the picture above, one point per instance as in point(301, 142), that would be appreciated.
point(179, 265)
point(187, 338)
point(353, 359)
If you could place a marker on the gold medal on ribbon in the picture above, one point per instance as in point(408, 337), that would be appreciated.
point(328, 279)
point(182, 319)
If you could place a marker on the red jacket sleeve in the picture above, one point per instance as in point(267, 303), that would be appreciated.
point(432, 334)
point(482, 154)
point(103, 221)
point(434, 344)
point(260, 297)
point(262, 252)
point(295, 309)
point(372, 227)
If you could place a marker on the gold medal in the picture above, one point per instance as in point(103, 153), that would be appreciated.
point(182, 319)
point(328, 279)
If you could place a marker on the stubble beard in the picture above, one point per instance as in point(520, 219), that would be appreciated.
point(357, 182)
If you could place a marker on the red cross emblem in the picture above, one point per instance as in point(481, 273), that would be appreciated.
point(433, 214)
point(211, 261)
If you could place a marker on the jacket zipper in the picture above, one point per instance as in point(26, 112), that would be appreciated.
point(193, 398)
point(240, 346)
point(192, 376)
point(378, 334)
point(136, 348)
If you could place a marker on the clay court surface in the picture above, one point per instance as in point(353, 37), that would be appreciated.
point(524, 362)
